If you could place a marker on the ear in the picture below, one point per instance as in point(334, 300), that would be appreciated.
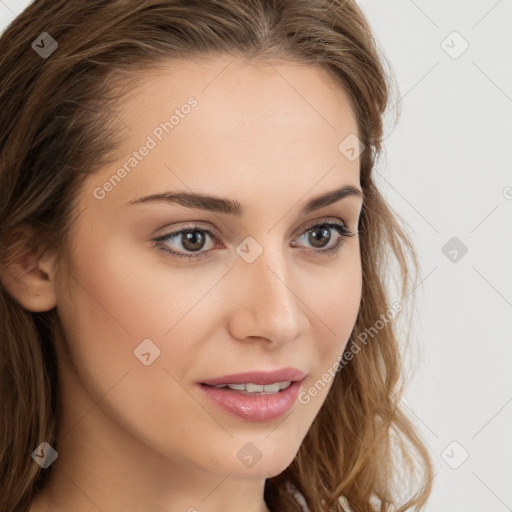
point(30, 277)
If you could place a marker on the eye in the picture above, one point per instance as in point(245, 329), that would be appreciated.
point(190, 238)
point(317, 234)
point(193, 239)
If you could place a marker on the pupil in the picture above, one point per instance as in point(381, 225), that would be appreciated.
point(193, 240)
point(317, 239)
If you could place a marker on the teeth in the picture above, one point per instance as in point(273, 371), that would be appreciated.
point(257, 388)
point(238, 387)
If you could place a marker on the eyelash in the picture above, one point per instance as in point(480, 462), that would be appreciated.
point(342, 230)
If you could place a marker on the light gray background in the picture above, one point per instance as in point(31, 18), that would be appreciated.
point(448, 172)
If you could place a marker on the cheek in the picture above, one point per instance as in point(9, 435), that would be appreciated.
point(336, 311)
point(127, 289)
point(338, 306)
point(116, 296)
point(108, 305)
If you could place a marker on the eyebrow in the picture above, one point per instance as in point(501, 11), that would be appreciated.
point(232, 207)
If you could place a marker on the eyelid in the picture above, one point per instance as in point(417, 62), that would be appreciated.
point(193, 224)
point(316, 222)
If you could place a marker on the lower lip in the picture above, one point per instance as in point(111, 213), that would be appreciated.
point(254, 407)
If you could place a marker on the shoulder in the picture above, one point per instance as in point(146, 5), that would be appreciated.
point(299, 498)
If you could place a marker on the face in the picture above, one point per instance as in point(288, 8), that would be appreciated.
point(163, 295)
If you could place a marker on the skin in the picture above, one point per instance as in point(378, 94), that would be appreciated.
point(136, 437)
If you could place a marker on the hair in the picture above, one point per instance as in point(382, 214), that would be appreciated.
point(59, 125)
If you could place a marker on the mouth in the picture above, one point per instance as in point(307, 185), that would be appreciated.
point(255, 396)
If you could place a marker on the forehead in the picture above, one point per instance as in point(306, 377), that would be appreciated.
point(229, 88)
point(226, 122)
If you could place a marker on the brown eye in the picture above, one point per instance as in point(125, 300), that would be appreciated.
point(192, 240)
point(319, 236)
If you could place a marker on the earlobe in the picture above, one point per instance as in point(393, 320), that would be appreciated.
point(30, 280)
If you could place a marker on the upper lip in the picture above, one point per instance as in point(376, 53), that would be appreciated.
point(257, 377)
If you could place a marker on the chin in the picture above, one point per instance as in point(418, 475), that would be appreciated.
point(274, 459)
point(260, 470)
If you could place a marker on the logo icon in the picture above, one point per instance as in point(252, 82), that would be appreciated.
point(44, 455)
point(249, 455)
point(454, 45)
point(454, 250)
point(146, 352)
point(249, 249)
point(351, 147)
point(454, 455)
point(44, 45)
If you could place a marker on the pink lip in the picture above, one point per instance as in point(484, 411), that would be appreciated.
point(255, 407)
point(261, 378)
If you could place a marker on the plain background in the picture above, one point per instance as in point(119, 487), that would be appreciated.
point(448, 172)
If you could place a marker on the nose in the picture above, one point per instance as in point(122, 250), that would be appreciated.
point(268, 302)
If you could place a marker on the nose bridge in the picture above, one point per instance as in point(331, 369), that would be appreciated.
point(266, 303)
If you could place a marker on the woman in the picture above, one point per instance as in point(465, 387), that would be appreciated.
point(194, 311)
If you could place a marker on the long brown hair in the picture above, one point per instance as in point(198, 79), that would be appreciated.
point(58, 125)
